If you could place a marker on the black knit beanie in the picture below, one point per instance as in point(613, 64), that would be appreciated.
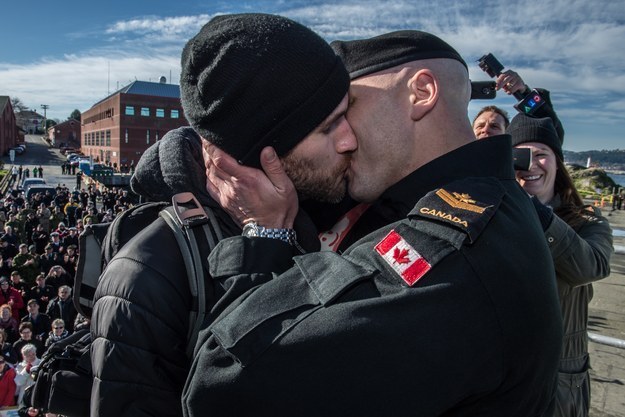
point(365, 56)
point(525, 129)
point(255, 80)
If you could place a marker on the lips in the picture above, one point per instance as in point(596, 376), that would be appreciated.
point(532, 177)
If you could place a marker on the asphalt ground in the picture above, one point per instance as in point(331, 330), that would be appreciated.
point(607, 319)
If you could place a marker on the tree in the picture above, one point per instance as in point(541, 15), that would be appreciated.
point(50, 123)
point(75, 115)
point(18, 104)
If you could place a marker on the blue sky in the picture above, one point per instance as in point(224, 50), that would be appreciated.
point(71, 54)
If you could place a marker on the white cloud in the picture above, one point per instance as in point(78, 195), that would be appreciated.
point(571, 47)
point(76, 82)
point(165, 28)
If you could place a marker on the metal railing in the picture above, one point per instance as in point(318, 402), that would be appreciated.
point(606, 340)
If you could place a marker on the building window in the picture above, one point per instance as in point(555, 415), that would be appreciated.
point(145, 111)
point(147, 137)
point(126, 136)
point(175, 114)
point(108, 138)
point(156, 136)
point(160, 112)
point(130, 111)
point(97, 138)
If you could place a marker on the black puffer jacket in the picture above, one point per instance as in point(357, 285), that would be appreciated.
point(141, 314)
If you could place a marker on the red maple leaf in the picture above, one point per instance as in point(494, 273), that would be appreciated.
point(401, 256)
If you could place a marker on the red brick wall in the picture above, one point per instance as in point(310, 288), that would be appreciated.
point(110, 115)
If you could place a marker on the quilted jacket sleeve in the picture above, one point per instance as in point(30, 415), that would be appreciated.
point(139, 329)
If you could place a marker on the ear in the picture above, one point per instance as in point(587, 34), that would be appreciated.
point(424, 93)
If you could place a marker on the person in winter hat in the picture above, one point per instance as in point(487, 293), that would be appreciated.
point(248, 81)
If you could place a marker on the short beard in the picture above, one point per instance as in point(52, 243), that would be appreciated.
point(312, 182)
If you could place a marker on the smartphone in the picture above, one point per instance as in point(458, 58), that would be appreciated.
point(522, 158)
point(483, 90)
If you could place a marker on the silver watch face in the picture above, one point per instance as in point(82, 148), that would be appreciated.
point(250, 230)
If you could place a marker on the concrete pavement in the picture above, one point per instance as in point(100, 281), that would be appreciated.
point(607, 318)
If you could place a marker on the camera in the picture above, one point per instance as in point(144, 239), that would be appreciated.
point(529, 103)
point(483, 90)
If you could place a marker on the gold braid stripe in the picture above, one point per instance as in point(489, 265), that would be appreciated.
point(454, 202)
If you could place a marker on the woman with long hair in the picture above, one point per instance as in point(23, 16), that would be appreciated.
point(580, 241)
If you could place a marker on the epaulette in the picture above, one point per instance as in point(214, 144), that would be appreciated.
point(466, 205)
point(441, 223)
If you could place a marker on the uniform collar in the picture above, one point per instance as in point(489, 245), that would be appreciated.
point(489, 157)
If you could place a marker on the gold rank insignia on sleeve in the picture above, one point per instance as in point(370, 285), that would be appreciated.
point(466, 204)
point(461, 201)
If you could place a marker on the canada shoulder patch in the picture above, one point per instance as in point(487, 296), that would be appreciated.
point(402, 257)
point(466, 205)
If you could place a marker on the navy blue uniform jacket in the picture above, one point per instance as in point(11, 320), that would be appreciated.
point(451, 311)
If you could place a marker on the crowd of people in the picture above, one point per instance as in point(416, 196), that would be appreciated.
point(19, 172)
point(39, 249)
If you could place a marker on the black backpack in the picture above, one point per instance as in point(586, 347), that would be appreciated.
point(64, 378)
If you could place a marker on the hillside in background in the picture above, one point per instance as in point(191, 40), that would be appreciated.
point(610, 160)
point(591, 181)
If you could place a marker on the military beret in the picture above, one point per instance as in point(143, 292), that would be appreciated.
point(366, 56)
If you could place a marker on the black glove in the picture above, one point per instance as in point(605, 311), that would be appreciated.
point(545, 213)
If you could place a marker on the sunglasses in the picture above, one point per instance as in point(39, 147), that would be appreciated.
point(57, 328)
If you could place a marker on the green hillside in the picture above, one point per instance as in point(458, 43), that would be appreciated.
point(591, 182)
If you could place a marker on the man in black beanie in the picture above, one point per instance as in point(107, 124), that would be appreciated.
point(448, 308)
point(247, 81)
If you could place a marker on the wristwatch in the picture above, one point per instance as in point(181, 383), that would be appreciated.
point(252, 229)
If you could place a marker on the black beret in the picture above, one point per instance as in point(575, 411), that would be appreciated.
point(366, 56)
point(255, 80)
point(525, 129)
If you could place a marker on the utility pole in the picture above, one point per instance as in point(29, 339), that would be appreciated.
point(45, 120)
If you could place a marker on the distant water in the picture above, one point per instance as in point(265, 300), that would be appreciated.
point(618, 178)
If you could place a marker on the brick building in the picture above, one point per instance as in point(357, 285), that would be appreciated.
point(119, 128)
point(66, 133)
point(30, 121)
point(8, 125)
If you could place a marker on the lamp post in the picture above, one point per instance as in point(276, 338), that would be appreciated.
point(45, 121)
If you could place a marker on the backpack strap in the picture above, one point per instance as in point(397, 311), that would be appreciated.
point(100, 242)
point(197, 232)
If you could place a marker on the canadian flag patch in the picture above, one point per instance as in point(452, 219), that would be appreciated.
point(403, 258)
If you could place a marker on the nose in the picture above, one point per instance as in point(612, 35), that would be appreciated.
point(488, 130)
point(346, 139)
